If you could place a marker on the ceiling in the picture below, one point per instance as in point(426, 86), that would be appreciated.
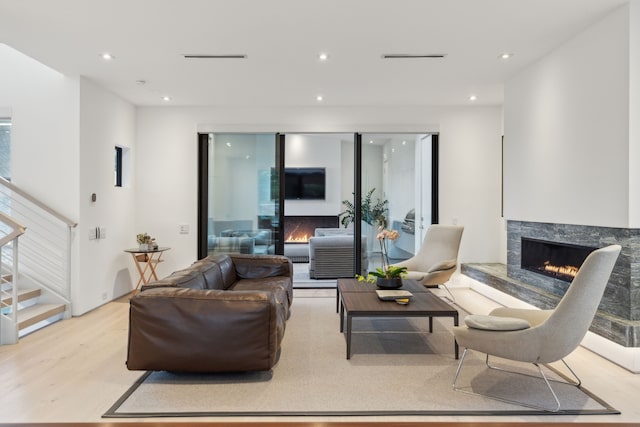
point(282, 40)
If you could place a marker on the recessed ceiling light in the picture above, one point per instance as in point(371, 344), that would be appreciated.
point(371, 141)
point(107, 56)
point(228, 144)
point(323, 56)
point(404, 142)
point(473, 98)
point(166, 98)
point(506, 55)
point(319, 98)
point(141, 82)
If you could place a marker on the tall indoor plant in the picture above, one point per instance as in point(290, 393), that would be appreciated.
point(373, 213)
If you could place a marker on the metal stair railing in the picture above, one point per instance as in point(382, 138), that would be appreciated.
point(45, 250)
point(10, 231)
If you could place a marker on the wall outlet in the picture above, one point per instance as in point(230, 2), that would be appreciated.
point(184, 228)
point(102, 232)
point(93, 233)
point(104, 296)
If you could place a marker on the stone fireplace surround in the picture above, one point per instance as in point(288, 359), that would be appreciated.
point(618, 317)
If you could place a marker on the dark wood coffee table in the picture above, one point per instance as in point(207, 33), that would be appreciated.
point(359, 299)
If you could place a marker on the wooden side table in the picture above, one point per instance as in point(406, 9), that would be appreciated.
point(146, 262)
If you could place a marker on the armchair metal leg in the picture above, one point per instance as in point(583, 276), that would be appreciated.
point(516, 402)
point(446, 288)
point(442, 285)
point(576, 383)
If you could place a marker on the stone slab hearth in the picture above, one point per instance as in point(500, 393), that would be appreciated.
point(618, 317)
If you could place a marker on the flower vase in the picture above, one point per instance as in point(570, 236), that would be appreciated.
point(393, 283)
point(144, 247)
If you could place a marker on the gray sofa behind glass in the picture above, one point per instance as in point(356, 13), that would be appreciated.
point(331, 253)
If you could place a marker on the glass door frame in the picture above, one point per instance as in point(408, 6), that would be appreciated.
point(203, 192)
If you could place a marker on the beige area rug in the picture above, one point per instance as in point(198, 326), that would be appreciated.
point(396, 368)
point(301, 279)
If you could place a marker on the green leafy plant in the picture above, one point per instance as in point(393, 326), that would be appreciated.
point(373, 213)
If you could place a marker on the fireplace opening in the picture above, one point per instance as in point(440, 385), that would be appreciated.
point(299, 229)
point(558, 260)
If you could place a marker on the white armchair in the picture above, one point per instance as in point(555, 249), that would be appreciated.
point(437, 259)
point(541, 336)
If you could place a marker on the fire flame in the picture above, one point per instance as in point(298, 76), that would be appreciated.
point(299, 239)
point(568, 270)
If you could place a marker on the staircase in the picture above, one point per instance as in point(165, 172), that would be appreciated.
point(32, 313)
point(35, 281)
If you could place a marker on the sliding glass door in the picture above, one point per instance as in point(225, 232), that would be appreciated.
point(270, 193)
point(239, 210)
point(397, 190)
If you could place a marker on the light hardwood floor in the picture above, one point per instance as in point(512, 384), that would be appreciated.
point(74, 370)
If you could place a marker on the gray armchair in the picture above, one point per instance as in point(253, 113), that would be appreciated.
point(437, 259)
point(541, 336)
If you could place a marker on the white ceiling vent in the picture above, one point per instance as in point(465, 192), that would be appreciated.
point(413, 56)
point(229, 56)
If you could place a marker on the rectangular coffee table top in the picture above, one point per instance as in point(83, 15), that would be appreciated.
point(420, 304)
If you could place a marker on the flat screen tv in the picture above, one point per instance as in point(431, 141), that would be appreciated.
point(304, 183)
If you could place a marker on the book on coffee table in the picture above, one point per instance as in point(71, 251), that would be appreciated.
point(390, 295)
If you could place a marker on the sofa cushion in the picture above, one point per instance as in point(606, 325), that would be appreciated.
point(227, 269)
point(240, 244)
point(211, 272)
point(186, 278)
point(261, 266)
point(496, 323)
point(319, 232)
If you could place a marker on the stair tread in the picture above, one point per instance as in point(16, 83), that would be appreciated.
point(36, 313)
point(23, 294)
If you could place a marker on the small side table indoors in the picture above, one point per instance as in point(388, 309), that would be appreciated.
point(146, 262)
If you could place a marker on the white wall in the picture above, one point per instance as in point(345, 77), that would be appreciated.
point(401, 171)
point(469, 165)
point(567, 131)
point(323, 151)
point(44, 107)
point(634, 114)
point(469, 181)
point(106, 272)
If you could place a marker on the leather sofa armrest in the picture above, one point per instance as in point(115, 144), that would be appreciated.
point(261, 266)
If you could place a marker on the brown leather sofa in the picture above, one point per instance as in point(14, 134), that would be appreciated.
point(224, 313)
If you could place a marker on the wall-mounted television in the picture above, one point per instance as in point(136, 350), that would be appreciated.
point(304, 183)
